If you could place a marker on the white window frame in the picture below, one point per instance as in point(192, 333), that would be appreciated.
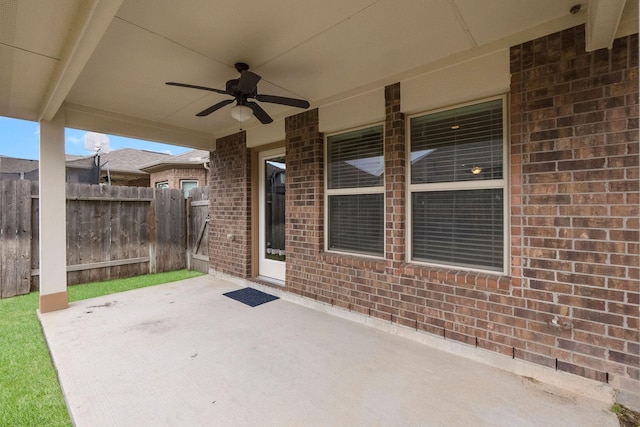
point(182, 181)
point(465, 185)
point(162, 184)
point(352, 191)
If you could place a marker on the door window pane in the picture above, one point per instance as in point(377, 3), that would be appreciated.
point(274, 221)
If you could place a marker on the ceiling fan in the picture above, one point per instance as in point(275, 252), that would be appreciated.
point(243, 89)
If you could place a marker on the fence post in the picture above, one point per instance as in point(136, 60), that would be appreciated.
point(151, 221)
point(187, 207)
point(24, 237)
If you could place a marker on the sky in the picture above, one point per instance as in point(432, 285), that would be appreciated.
point(20, 139)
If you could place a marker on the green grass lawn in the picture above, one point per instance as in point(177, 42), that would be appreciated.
point(29, 391)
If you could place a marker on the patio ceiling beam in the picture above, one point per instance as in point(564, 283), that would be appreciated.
point(94, 17)
point(603, 19)
point(82, 117)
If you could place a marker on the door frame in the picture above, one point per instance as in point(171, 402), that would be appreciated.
point(263, 268)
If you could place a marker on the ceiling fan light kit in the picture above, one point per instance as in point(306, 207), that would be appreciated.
point(243, 89)
point(241, 113)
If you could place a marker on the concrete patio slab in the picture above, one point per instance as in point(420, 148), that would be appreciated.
point(182, 354)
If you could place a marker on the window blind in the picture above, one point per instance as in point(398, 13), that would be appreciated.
point(355, 191)
point(356, 159)
point(356, 223)
point(447, 146)
point(459, 227)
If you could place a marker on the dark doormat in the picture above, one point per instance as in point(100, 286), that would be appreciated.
point(251, 297)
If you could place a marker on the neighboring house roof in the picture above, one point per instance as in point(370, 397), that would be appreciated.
point(124, 160)
point(14, 165)
point(190, 159)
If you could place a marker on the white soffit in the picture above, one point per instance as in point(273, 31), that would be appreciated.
point(474, 79)
point(24, 79)
point(32, 37)
point(491, 20)
point(133, 61)
point(36, 26)
point(383, 40)
point(364, 109)
point(334, 53)
point(86, 30)
point(266, 134)
point(229, 31)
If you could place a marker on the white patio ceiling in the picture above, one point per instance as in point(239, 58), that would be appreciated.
point(105, 61)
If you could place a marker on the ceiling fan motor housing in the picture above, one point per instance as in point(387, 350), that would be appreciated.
point(233, 90)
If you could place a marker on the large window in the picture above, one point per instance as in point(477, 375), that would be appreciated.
point(457, 187)
point(355, 191)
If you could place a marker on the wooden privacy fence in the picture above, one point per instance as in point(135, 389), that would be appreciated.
point(112, 232)
point(198, 230)
point(15, 238)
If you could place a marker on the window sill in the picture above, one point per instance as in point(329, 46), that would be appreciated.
point(494, 282)
point(472, 279)
point(354, 261)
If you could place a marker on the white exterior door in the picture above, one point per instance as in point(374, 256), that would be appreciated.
point(272, 253)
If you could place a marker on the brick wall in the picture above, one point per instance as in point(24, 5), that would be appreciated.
point(574, 119)
point(173, 176)
point(571, 301)
point(127, 182)
point(394, 181)
point(304, 202)
point(574, 195)
point(230, 207)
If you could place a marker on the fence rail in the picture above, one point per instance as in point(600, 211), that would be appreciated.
point(112, 232)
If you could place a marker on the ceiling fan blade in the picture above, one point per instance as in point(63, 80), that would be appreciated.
point(259, 113)
point(224, 92)
point(214, 107)
point(292, 102)
point(248, 81)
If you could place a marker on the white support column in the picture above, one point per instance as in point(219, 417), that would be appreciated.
point(53, 226)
